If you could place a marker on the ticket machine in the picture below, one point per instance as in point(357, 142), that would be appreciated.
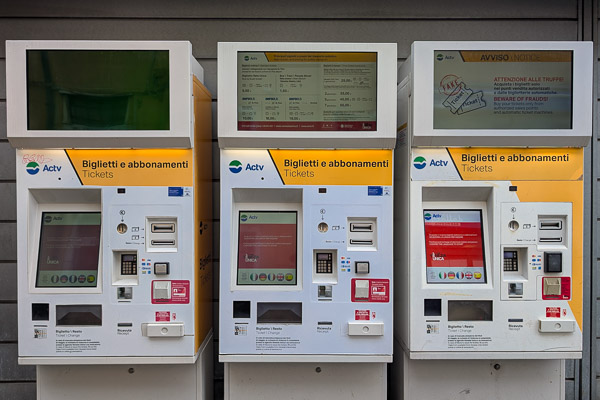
point(113, 217)
point(306, 132)
point(489, 217)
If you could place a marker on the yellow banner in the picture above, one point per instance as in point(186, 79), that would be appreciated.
point(517, 56)
point(476, 164)
point(144, 167)
point(321, 57)
point(334, 167)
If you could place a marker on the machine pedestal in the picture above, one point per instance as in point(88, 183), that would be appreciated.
point(481, 379)
point(124, 381)
point(287, 381)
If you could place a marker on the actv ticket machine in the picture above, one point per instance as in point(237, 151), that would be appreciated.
point(306, 132)
point(489, 217)
point(114, 211)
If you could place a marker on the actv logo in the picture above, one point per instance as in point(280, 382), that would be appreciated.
point(32, 168)
point(235, 166)
point(420, 162)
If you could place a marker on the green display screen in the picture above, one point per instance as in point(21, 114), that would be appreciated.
point(97, 90)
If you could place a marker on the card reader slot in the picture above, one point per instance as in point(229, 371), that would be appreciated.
point(162, 242)
point(361, 227)
point(357, 242)
point(162, 227)
point(550, 224)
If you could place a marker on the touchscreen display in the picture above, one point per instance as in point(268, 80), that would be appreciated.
point(497, 89)
point(97, 90)
point(267, 248)
point(454, 246)
point(307, 91)
point(69, 249)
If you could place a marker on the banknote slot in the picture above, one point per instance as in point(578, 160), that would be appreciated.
point(162, 227)
point(358, 242)
point(279, 313)
point(361, 227)
point(550, 225)
point(550, 239)
point(162, 242)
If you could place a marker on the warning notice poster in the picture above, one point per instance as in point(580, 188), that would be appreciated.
point(454, 246)
point(496, 89)
point(267, 248)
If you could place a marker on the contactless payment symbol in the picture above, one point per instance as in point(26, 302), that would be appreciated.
point(32, 168)
point(235, 166)
point(419, 162)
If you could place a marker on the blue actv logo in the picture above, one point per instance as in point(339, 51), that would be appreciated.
point(235, 166)
point(243, 217)
point(428, 216)
point(32, 168)
point(420, 162)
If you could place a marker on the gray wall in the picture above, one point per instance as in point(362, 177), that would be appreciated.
point(205, 23)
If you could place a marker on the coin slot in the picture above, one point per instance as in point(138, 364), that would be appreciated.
point(121, 228)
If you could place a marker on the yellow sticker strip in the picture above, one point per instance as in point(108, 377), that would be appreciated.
point(334, 167)
point(143, 167)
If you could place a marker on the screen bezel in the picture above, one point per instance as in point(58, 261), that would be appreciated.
point(233, 251)
point(239, 213)
point(483, 241)
point(34, 236)
point(37, 268)
point(383, 137)
point(179, 133)
point(423, 133)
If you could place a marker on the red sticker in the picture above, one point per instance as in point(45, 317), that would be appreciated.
point(379, 291)
point(163, 316)
point(362, 315)
point(180, 293)
point(552, 312)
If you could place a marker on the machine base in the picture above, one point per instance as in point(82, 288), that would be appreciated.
point(287, 381)
point(148, 382)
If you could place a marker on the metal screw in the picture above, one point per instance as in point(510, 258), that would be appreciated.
point(318, 369)
point(497, 366)
point(131, 370)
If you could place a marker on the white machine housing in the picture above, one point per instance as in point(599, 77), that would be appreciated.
point(139, 301)
point(511, 314)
